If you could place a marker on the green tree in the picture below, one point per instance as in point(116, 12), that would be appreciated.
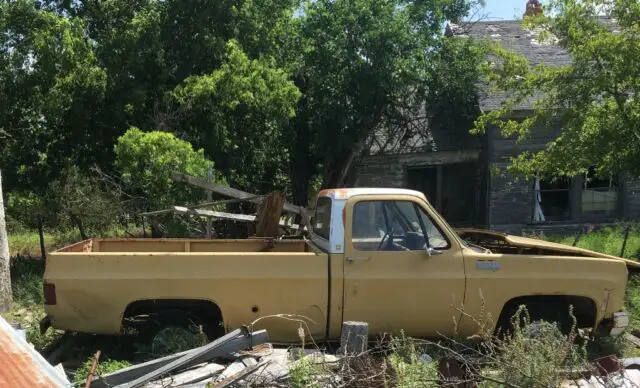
point(592, 101)
point(237, 114)
point(146, 161)
point(51, 86)
point(82, 201)
point(365, 68)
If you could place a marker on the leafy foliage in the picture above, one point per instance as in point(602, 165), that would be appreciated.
point(276, 93)
point(51, 87)
point(236, 113)
point(536, 354)
point(102, 368)
point(593, 97)
point(82, 201)
point(366, 70)
point(147, 160)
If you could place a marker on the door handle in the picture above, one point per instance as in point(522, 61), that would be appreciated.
point(433, 252)
point(357, 258)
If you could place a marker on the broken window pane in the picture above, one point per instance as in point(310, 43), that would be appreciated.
point(555, 199)
point(599, 194)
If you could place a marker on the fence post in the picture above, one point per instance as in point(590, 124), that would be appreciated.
point(624, 242)
point(43, 251)
point(209, 199)
point(575, 242)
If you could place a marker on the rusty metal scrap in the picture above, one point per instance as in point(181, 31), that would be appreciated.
point(22, 366)
point(94, 364)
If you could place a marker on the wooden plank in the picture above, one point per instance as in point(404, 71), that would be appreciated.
point(228, 191)
point(187, 377)
point(240, 375)
point(226, 216)
point(632, 339)
point(157, 212)
point(221, 348)
point(268, 218)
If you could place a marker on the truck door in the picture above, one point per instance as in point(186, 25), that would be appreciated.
point(403, 270)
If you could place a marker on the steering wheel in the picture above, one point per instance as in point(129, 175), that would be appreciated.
point(387, 234)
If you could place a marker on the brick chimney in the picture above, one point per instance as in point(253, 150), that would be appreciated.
point(534, 7)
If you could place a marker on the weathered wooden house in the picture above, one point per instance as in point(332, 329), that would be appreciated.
point(454, 169)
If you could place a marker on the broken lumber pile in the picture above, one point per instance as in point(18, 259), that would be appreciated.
point(222, 348)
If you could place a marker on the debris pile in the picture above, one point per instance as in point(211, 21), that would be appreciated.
point(240, 358)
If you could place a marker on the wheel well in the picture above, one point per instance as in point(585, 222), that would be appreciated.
point(204, 311)
point(547, 306)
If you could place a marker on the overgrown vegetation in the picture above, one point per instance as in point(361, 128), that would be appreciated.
point(28, 299)
point(102, 368)
point(608, 239)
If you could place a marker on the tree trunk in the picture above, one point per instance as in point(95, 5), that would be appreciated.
point(338, 169)
point(5, 261)
point(302, 164)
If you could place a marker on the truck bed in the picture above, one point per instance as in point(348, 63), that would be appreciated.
point(177, 245)
point(97, 281)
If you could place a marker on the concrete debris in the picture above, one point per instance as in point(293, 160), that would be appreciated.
point(276, 369)
point(624, 378)
point(233, 369)
point(245, 358)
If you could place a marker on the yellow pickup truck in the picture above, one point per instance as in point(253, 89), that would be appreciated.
point(383, 256)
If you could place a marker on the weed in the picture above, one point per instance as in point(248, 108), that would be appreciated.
point(104, 367)
point(632, 302)
point(302, 371)
point(411, 369)
point(534, 354)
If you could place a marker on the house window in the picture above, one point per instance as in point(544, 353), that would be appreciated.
point(553, 200)
point(599, 195)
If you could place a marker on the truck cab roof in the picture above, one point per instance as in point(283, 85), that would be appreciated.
point(346, 193)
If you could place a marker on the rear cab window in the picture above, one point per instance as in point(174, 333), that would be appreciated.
point(322, 218)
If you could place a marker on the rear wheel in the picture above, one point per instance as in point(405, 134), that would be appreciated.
point(535, 311)
point(172, 331)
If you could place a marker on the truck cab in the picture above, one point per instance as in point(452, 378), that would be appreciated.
point(404, 267)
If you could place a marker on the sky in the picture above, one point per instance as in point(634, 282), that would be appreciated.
point(504, 9)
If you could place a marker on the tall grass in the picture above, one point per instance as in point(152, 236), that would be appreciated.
point(607, 240)
point(28, 299)
point(26, 242)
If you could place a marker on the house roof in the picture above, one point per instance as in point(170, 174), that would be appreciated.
point(536, 47)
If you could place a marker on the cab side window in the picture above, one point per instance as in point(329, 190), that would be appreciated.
point(394, 226)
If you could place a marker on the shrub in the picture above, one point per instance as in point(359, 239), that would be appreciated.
point(147, 160)
point(534, 354)
point(82, 201)
point(22, 209)
point(411, 370)
point(104, 367)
